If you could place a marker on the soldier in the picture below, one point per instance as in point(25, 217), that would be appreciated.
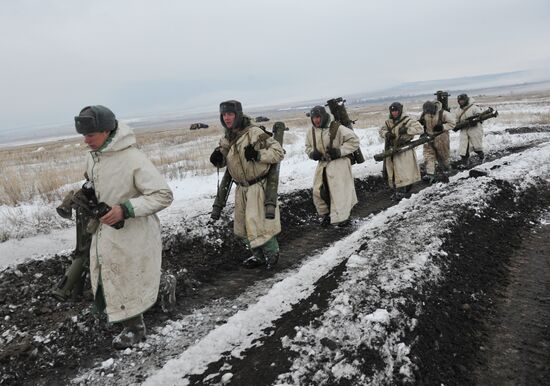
point(330, 143)
point(402, 169)
point(470, 138)
point(436, 120)
point(125, 260)
point(249, 152)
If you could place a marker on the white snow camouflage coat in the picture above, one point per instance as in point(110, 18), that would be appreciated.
point(339, 176)
point(127, 261)
point(471, 139)
point(250, 221)
point(402, 168)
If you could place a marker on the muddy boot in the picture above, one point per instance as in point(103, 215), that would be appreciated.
point(167, 292)
point(481, 156)
point(271, 259)
point(256, 260)
point(429, 179)
point(325, 222)
point(443, 177)
point(132, 333)
point(343, 224)
point(464, 162)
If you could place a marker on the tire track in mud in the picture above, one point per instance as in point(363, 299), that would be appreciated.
point(518, 343)
point(209, 273)
point(452, 326)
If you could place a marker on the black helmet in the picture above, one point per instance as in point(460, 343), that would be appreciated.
point(95, 119)
point(429, 107)
point(319, 111)
point(232, 106)
point(396, 106)
point(463, 97)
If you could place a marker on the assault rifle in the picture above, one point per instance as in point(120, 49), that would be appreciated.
point(475, 119)
point(338, 110)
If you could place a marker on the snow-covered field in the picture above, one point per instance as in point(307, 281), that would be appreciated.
point(387, 255)
point(398, 255)
point(33, 229)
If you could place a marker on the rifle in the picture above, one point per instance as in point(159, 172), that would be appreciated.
point(338, 110)
point(475, 119)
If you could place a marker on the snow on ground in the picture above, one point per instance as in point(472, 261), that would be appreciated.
point(389, 253)
point(194, 194)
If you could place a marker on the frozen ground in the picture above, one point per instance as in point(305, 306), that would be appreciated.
point(397, 298)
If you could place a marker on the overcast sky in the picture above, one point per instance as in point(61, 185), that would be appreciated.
point(143, 57)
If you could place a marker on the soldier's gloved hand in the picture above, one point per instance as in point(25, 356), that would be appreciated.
point(316, 155)
point(334, 153)
point(250, 153)
point(438, 128)
point(216, 158)
point(403, 130)
point(389, 136)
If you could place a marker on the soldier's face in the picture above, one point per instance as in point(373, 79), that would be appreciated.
point(96, 140)
point(316, 120)
point(229, 119)
point(394, 114)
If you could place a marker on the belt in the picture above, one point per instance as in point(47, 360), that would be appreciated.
point(252, 182)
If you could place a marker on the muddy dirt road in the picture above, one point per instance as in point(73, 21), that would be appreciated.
point(494, 297)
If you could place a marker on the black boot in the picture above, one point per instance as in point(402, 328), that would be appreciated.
point(256, 260)
point(481, 156)
point(464, 162)
point(271, 259)
point(325, 222)
point(133, 332)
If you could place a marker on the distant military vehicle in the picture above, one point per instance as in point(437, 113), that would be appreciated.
point(195, 126)
point(262, 119)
